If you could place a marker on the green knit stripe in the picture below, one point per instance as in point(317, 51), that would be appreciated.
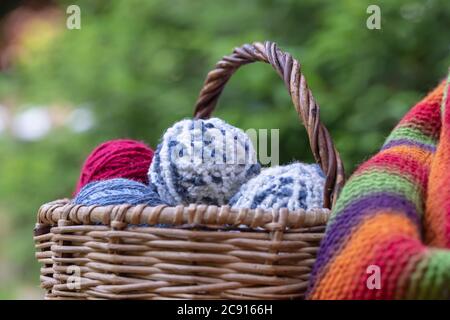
point(405, 131)
point(378, 180)
point(435, 278)
point(416, 277)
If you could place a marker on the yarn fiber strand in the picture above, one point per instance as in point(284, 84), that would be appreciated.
point(389, 234)
point(122, 158)
point(294, 186)
point(202, 161)
point(117, 191)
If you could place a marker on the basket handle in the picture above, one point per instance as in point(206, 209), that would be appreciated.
point(288, 69)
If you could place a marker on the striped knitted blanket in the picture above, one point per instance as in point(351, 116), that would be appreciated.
point(389, 234)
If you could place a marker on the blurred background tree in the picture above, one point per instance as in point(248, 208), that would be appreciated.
point(137, 66)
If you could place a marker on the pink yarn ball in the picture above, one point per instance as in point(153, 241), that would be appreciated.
point(122, 158)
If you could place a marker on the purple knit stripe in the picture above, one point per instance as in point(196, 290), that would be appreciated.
point(399, 142)
point(351, 217)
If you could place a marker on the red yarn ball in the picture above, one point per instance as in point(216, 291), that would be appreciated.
point(122, 158)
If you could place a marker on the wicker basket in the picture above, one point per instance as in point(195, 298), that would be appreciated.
point(110, 253)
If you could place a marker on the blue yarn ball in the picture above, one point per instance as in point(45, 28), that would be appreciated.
point(202, 161)
point(294, 186)
point(117, 191)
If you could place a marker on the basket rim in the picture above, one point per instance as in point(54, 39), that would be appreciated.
point(119, 216)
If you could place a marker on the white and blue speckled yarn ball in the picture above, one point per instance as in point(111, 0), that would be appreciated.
point(294, 186)
point(202, 161)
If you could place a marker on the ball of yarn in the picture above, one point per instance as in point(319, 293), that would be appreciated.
point(122, 158)
point(202, 161)
point(117, 191)
point(294, 186)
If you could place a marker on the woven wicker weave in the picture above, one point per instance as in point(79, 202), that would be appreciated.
point(209, 252)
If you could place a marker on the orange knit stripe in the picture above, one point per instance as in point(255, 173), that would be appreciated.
point(435, 96)
point(437, 217)
point(352, 261)
point(421, 155)
point(434, 219)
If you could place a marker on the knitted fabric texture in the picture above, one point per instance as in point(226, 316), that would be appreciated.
point(117, 191)
point(202, 161)
point(389, 234)
point(294, 186)
point(121, 158)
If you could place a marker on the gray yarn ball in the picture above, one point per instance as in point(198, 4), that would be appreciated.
point(202, 161)
point(294, 186)
point(117, 191)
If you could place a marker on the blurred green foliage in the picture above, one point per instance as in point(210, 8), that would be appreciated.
point(141, 64)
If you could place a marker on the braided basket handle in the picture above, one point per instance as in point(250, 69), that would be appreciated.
point(288, 69)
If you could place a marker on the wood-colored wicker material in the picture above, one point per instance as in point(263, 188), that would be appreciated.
point(200, 252)
point(206, 254)
point(307, 108)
